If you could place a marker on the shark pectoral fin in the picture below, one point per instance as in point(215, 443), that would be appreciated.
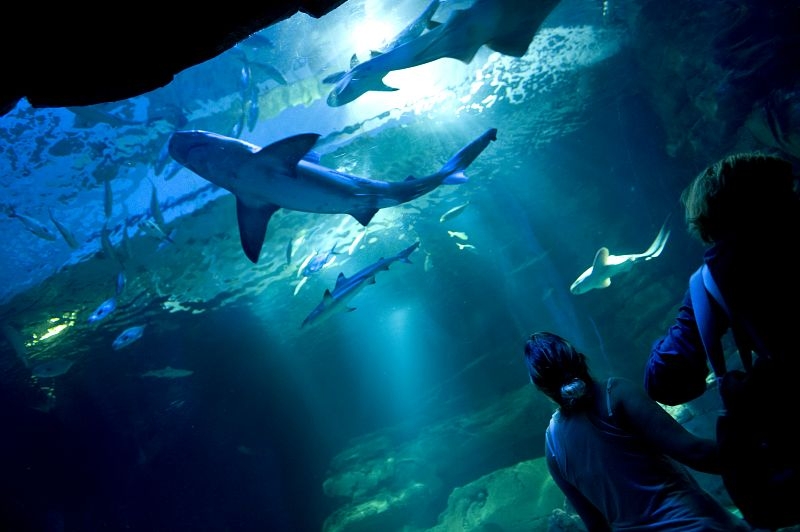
point(364, 216)
point(381, 86)
point(605, 283)
point(334, 78)
point(283, 156)
point(600, 259)
point(515, 43)
point(253, 227)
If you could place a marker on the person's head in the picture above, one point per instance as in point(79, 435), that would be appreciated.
point(742, 192)
point(558, 370)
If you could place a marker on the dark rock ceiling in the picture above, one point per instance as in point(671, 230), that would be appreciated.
point(60, 55)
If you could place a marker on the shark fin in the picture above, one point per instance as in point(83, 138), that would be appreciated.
point(364, 216)
point(514, 44)
point(383, 87)
point(453, 169)
point(606, 282)
point(340, 280)
point(253, 227)
point(334, 78)
point(600, 260)
point(350, 309)
point(286, 153)
point(327, 297)
point(354, 61)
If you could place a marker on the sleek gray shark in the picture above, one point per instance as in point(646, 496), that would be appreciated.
point(347, 287)
point(505, 26)
point(287, 175)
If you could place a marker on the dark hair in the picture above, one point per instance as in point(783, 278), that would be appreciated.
point(742, 192)
point(558, 370)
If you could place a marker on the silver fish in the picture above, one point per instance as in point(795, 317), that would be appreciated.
point(34, 226)
point(69, 238)
point(155, 209)
point(452, 213)
point(128, 336)
point(167, 373)
point(51, 368)
point(100, 313)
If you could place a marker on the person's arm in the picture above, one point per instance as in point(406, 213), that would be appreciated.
point(661, 430)
point(677, 368)
point(588, 512)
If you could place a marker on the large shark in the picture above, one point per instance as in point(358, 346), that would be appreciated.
point(285, 175)
point(347, 287)
point(505, 26)
point(606, 266)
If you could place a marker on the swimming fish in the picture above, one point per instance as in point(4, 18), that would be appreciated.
point(66, 234)
point(167, 373)
point(505, 26)
point(51, 368)
point(347, 287)
point(33, 225)
point(452, 213)
point(106, 307)
point(128, 336)
point(155, 208)
point(284, 175)
point(461, 235)
point(606, 266)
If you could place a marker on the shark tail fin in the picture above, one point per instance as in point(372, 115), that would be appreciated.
point(408, 251)
point(660, 241)
point(453, 170)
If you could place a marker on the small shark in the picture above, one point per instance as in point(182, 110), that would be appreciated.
point(287, 174)
point(347, 287)
point(505, 26)
point(606, 266)
point(167, 373)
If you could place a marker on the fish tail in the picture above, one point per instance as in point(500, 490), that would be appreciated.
point(453, 170)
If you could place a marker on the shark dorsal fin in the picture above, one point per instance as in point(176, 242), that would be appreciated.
point(340, 280)
point(354, 61)
point(600, 259)
point(286, 153)
point(327, 296)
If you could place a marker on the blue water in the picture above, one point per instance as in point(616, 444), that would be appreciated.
point(599, 129)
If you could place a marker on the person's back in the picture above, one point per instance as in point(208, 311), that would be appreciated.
point(746, 208)
point(614, 452)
